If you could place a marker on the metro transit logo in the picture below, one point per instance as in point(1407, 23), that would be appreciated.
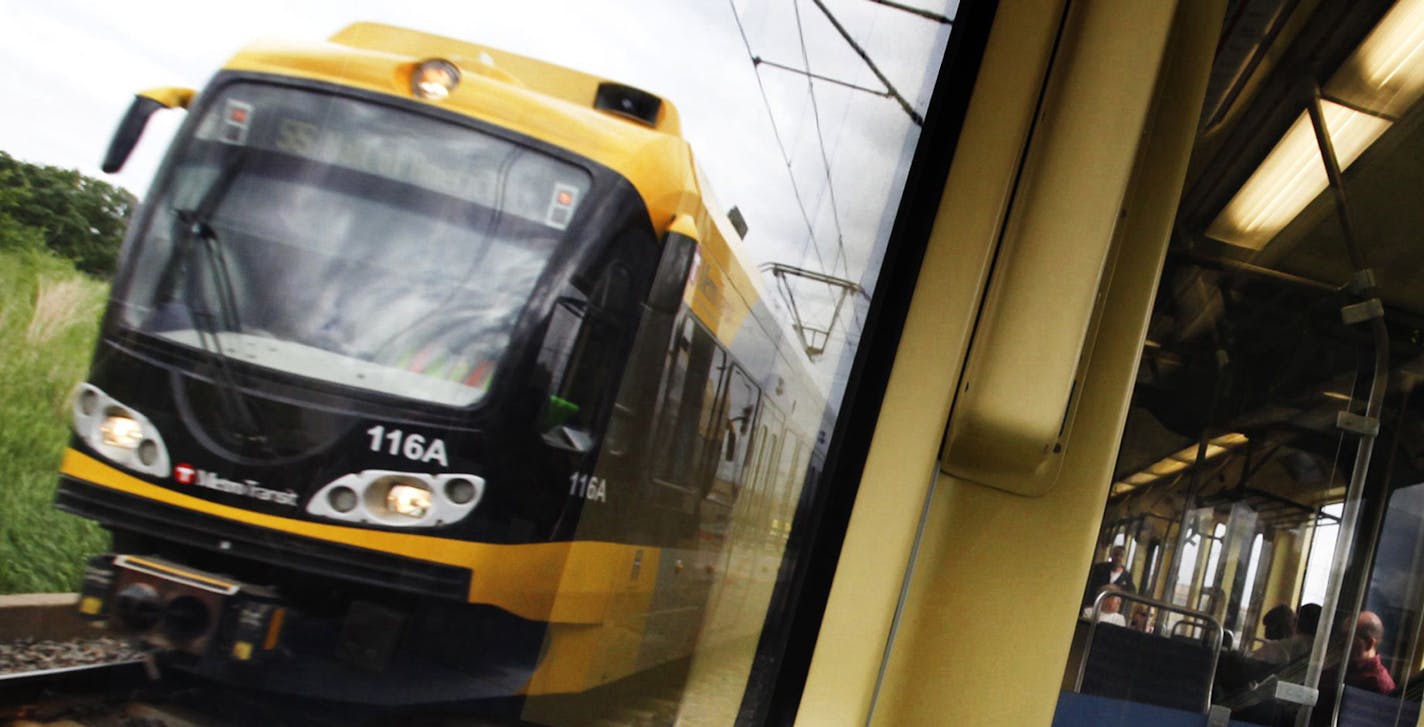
point(185, 473)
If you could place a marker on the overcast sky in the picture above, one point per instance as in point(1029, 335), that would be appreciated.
point(72, 67)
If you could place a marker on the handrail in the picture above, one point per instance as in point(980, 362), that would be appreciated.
point(1201, 616)
point(1189, 623)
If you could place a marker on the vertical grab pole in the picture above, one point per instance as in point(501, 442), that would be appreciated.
point(1369, 428)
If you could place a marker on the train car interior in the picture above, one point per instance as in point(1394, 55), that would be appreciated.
point(1271, 459)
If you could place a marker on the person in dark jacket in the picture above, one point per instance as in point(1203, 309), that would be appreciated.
point(1111, 572)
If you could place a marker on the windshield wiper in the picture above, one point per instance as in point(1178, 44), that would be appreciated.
point(195, 238)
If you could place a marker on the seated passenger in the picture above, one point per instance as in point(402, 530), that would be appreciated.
point(1308, 619)
point(1363, 669)
point(1279, 623)
point(1286, 643)
point(1142, 619)
point(1109, 609)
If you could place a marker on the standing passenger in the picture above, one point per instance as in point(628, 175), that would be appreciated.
point(1110, 572)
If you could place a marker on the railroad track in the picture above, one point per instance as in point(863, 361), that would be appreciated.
point(59, 670)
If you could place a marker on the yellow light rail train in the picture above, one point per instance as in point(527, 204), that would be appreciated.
point(432, 373)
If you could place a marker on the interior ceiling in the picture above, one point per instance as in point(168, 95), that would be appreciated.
point(1252, 341)
point(1384, 189)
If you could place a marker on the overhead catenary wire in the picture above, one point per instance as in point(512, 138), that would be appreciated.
point(842, 258)
point(785, 156)
point(792, 69)
point(776, 134)
point(927, 14)
point(821, 144)
point(894, 93)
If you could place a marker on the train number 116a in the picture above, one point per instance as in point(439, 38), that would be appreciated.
point(411, 446)
point(587, 487)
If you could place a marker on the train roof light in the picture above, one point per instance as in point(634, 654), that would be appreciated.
point(1291, 176)
point(1168, 466)
point(1381, 80)
point(1231, 439)
point(434, 80)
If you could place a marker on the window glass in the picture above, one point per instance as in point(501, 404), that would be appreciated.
point(1322, 550)
point(688, 433)
point(385, 314)
point(1289, 535)
point(400, 275)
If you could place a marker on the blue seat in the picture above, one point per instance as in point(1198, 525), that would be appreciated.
point(1362, 708)
point(1138, 667)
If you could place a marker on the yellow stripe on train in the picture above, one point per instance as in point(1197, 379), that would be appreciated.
point(580, 582)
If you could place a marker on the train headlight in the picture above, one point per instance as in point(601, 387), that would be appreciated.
point(399, 499)
point(434, 79)
point(409, 500)
point(118, 432)
point(121, 430)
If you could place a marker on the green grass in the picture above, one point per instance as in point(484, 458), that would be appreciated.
point(49, 316)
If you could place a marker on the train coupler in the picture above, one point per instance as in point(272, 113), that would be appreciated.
point(177, 608)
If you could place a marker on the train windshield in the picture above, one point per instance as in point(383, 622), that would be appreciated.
point(347, 241)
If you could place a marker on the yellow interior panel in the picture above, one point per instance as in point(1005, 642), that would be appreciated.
point(990, 611)
point(903, 455)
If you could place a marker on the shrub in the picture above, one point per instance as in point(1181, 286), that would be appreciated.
point(77, 217)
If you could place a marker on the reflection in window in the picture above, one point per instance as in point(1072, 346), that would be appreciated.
point(1249, 367)
point(1322, 554)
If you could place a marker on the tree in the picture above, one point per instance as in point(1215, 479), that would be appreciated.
point(79, 217)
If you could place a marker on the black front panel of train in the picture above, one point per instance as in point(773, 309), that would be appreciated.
point(264, 430)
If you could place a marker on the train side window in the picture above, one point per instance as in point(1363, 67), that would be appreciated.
point(1395, 590)
point(1322, 551)
point(583, 343)
point(601, 336)
point(685, 436)
point(784, 507)
point(557, 349)
point(762, 468)
point(730, 473)
point(768, 481)
point(671, 402)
